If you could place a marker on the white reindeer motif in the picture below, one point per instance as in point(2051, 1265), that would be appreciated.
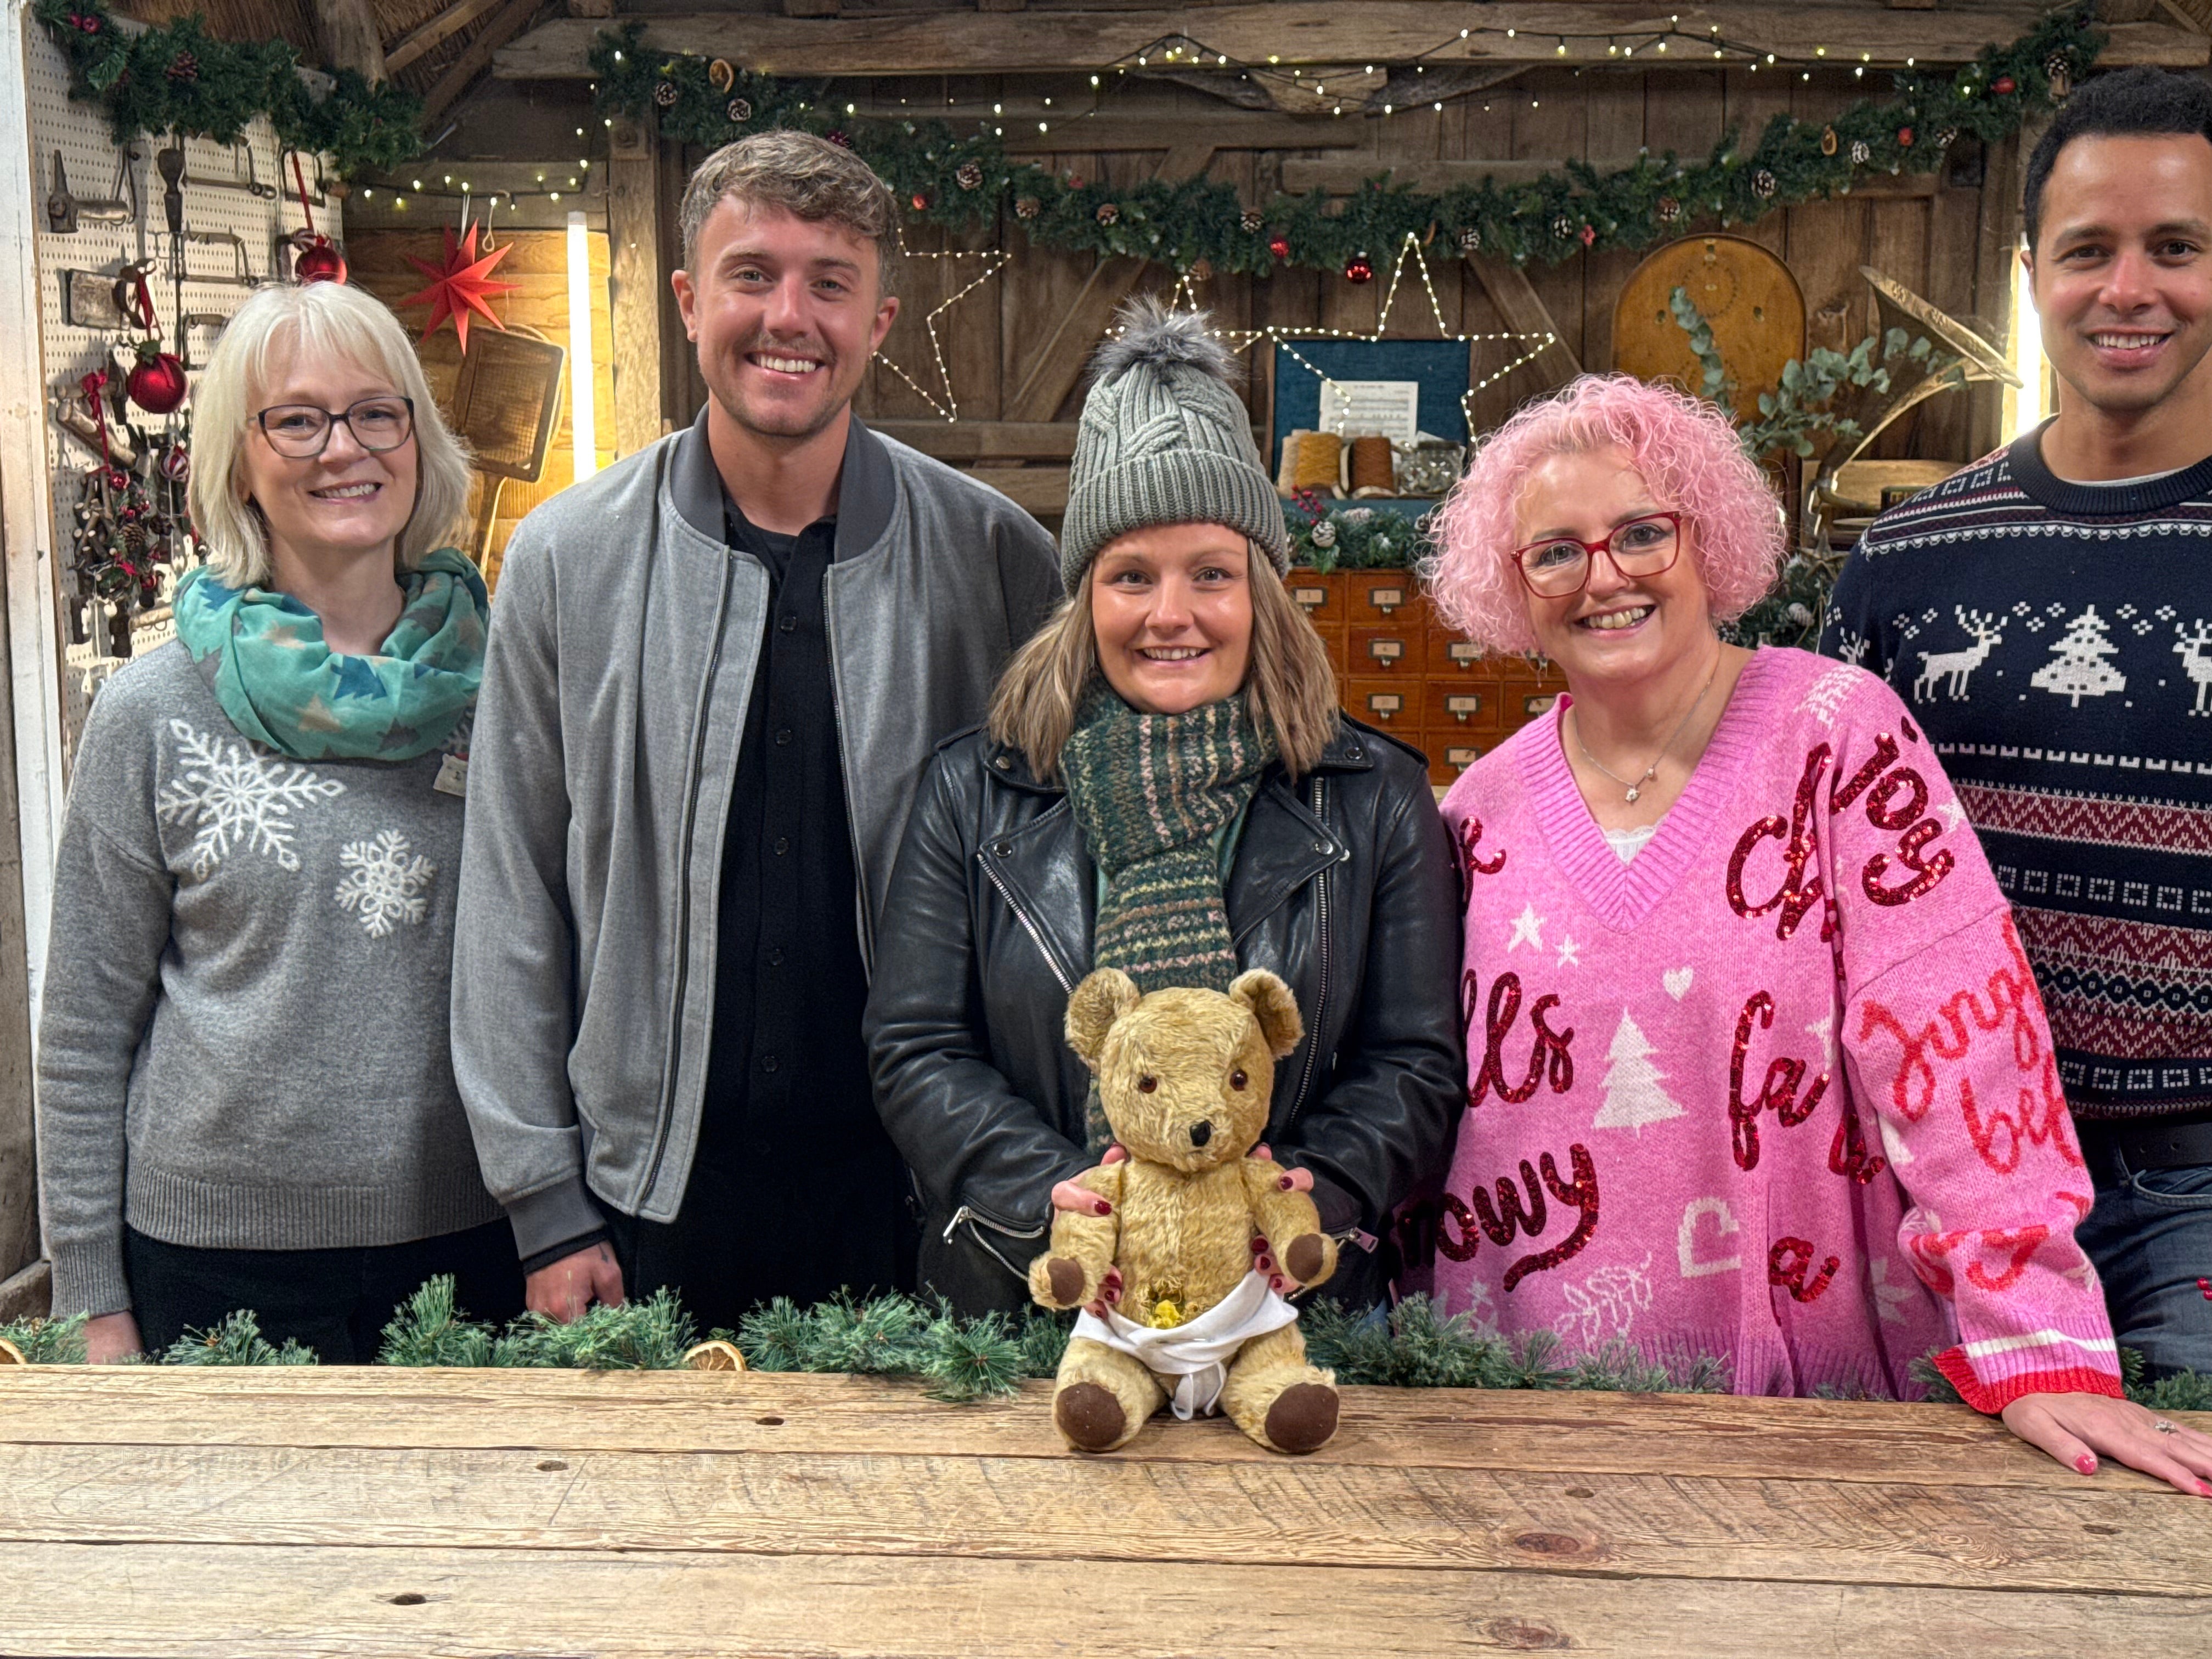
point(2197, 662)
point(1989, 634)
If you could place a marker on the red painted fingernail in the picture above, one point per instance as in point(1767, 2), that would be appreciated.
point(2086, 1464)
point(1258, 1243)
point(1104, 1209)
point(1266, 1264)
point(1275, 1283)
point(1285, 1184)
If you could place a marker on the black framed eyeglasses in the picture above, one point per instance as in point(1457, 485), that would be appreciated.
point(301, 431)
point(1556, 568)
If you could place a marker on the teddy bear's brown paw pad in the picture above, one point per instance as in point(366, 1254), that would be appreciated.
point(1066, 1278)
point(1303, 1255)
point(1092, 1419)
point(1303, 1417)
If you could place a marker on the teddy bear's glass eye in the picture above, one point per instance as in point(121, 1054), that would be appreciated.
point(1237, 1079)
point(1147, 1084)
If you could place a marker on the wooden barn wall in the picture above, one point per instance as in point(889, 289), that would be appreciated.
point(1946, 238)
point(539, 261)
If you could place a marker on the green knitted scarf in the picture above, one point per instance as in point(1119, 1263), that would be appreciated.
point(1151, 793)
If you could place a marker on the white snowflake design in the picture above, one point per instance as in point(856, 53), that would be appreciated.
point(234, 800)
point(385, 881)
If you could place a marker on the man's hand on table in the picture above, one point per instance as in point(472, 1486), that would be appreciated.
point(563, 1289)
point(111, 1337)
point(2074, 1428)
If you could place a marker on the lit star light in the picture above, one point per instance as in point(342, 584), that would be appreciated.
point(462, 286)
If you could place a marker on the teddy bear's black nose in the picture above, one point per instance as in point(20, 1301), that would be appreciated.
point(1201, 1133)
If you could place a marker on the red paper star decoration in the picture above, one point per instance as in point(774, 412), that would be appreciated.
point(461, 286)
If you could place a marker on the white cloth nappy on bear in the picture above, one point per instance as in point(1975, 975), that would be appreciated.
point(1195, 1354)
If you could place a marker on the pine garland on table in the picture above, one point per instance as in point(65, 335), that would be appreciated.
point(1410, 1346)
point(177, 77)
point(957, 179)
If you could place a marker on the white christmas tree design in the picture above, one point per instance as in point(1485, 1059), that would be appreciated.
point(232, 798)
point(384, 882)
point(1632, 1095)
point(2077, 668)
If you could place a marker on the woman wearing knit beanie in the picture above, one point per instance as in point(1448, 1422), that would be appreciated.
point(1164, 786)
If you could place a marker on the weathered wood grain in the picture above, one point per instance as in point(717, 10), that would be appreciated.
point(241, 1602)
point(1284, 1512)
point(1315, 32)
point(1679, 1435)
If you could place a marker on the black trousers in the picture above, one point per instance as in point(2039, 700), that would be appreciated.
point(335, 1302)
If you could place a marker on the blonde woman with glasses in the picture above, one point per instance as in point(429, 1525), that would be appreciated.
point(246, 1095)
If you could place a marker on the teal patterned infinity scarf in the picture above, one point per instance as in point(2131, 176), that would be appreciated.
point(263, 656)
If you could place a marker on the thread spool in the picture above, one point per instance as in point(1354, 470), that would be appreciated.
point(1320, 460)
point(1372, 471)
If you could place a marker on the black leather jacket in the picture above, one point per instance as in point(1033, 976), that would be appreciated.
point(1344, 884)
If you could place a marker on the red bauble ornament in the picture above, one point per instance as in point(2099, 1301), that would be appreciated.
point(176, 463)
point(460, 286)
point(920, 202)
point(1359, 269)
point(157, 384)
point(2004, 83)
point(319, 262)
point(1905, 137)
point(1280, 246)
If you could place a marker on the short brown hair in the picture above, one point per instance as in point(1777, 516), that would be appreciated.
point(807, 177)
point(1290, 685)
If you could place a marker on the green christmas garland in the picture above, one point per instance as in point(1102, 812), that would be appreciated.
point(178, 78)
point(957, 179)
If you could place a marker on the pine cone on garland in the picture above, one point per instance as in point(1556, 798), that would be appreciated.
point(968, 176)
point(739, 111)
point(1946, 137)
point(1251, 220)
point(1470, 240)
point(1670, 210)
point(1563, 228)
point(1107, 213)
point(1027, 207)
point(1862, 152)
point(184, 67)
point(1762, 185)
point(666, 95)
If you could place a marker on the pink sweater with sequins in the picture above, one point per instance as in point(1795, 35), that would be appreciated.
point(1779, 1091)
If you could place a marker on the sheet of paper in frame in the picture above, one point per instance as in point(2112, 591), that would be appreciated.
point(1389, 408)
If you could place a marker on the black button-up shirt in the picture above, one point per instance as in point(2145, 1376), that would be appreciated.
point(795, 1190)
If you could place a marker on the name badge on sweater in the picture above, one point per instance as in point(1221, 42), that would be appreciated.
point(452, 777)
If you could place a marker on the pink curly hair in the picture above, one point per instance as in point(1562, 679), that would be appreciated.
point(1684, 449)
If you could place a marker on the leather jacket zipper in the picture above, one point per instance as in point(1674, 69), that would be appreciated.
point(1029, 926)
point(1314, 1025)
point(975, 1219)
point(683, 910)
point(863, 922)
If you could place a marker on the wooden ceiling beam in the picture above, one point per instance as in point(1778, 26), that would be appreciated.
point(433, 31)
point(505, 24)
point(1315, 32)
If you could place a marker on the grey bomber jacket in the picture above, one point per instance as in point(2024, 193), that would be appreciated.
point(622, 651)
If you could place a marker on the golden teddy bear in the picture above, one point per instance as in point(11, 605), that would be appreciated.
point(1198, 1230)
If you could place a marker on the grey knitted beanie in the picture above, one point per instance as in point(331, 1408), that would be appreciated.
point(1165, 440)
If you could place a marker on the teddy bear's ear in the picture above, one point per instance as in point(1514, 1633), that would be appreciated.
point(1273, 1006)
point(1097, 1003)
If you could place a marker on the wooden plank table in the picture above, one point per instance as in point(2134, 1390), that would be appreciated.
point(372, 1512)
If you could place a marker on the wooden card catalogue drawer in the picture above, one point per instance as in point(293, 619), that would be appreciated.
point(1454, 707)
point(1321, 597)
point(1451, 755)
point(1393, 705)
point(1450, 654)
point(1387, 650)
point(1391, 597)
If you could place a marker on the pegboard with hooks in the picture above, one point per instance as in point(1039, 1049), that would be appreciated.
point(208, 223)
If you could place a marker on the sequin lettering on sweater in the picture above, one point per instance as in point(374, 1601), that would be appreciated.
point(1779, 1091)
point(1549, 1054)
point(1512, 1218)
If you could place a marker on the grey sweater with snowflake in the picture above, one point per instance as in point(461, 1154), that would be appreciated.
point(243, 1041)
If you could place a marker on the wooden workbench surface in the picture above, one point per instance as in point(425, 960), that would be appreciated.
point(385, 1512)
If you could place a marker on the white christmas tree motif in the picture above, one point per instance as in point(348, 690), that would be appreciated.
point(384, 882)
point(1886, 1296)
point(2077, 669)
point(1632, 1095)
point(1606, 1304)
point(233, 800)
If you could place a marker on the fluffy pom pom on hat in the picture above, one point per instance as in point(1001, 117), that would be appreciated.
point(1164, 440)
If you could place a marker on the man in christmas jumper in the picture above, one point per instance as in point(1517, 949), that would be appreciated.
point(2046, 615)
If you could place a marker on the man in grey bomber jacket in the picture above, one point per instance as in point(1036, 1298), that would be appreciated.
point(714, 674)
